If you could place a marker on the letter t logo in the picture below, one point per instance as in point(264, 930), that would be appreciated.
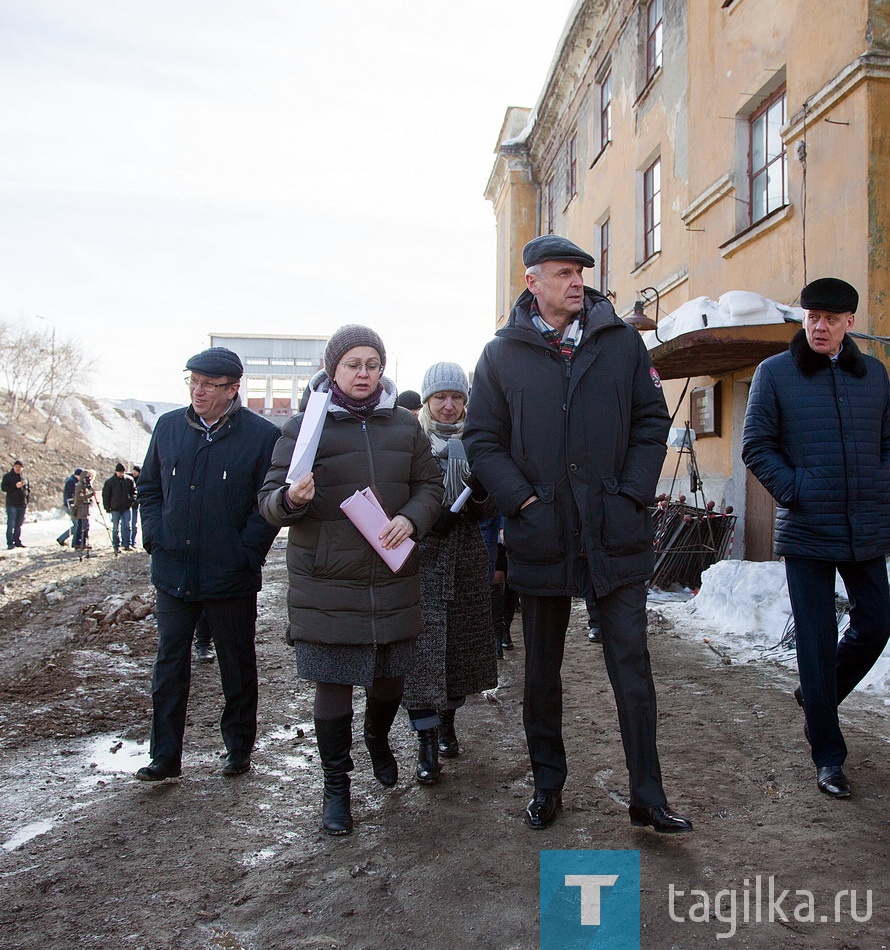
point(590, 885)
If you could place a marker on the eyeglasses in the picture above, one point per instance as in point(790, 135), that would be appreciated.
point(831, 319)
point(354, 366)
point(194, 384)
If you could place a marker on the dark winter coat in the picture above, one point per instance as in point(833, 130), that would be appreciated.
point(198, 504)
point(68, 491)
point(588, 438)
point(15, 497)
point(455, 654)
point(118, 494)
point(340, 590)
point(817, 436)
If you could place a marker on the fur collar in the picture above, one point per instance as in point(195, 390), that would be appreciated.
point(850, 360)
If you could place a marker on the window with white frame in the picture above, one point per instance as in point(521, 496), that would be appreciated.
point(652, 209)
point(572, 167)
point(605, 110)
point(605, 243)
point(767, 163)
point(550, 205)
point(654, 37)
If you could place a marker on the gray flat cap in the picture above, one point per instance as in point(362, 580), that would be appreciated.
point(552, 247)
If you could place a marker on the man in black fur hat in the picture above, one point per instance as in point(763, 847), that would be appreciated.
point(817, 435)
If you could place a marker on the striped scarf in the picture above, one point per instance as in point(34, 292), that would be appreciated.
point(566, 342)
point(445, 442)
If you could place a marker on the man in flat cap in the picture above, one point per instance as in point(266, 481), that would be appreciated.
point(207, 541)
point(566, 428)
point(817, 436)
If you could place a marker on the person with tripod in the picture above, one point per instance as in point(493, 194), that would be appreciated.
point(83, 499)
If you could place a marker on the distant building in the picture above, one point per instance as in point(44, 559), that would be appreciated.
point(277, 368)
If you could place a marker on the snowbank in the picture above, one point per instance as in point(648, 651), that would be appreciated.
point(114, 428)
point(743, 606)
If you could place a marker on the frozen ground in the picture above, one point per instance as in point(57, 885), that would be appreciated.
point(90, 857)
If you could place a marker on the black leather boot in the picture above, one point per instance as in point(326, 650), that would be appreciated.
point(379, 716)
point(427, 756)
point(334, 737)
point(448, 744)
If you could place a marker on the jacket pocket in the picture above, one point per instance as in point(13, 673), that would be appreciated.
point(532, 535)
point(342, 553)
point(627, 527)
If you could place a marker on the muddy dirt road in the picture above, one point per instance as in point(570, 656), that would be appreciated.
point(92, 858)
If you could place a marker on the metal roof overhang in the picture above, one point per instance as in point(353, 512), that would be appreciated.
point(716, 351)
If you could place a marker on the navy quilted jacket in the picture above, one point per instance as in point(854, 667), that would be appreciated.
point(817, 436)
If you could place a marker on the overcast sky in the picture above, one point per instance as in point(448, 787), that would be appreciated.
point(169, 169)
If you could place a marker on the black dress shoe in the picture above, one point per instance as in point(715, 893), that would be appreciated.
point(798, 696)
point(237, 763)
point(832, 780)
point(594, 635)
point(204, 653)
point(541, 810)
point(661, 817)
point(159, 769)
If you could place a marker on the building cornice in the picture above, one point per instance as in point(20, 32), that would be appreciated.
point(873, 65)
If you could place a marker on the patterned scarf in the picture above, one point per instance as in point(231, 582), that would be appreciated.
point(445, 441)
point(566, 342)
point(358, 407)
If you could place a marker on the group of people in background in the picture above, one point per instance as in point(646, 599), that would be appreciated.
point(119, 499)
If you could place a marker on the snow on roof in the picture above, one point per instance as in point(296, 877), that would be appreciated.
point(735, 308)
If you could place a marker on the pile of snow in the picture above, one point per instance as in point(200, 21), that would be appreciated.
point(735, 308)
point(743, 607)
point(117, 429)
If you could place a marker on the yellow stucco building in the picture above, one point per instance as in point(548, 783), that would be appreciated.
point(701, 147)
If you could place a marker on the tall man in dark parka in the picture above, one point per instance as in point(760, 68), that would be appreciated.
point(207, 540)
point(566, 428)
point(817, 436)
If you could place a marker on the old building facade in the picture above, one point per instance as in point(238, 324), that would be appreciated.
point(698, 148)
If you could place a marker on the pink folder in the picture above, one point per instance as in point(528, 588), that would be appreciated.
point(367, 514)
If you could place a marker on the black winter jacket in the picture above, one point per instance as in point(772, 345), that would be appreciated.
point(15, 497)
point(198, 504)
point(817, 436)
point(340, 590)
point(118, 494)
point(588, 438)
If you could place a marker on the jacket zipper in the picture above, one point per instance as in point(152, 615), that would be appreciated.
point(375, 558)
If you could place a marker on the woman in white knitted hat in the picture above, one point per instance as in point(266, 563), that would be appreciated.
point(455, 655)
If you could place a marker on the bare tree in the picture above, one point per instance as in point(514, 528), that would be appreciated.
point(38, 366)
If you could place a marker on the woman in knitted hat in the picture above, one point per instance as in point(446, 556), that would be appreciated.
point(455, 653)
point(353, 622)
